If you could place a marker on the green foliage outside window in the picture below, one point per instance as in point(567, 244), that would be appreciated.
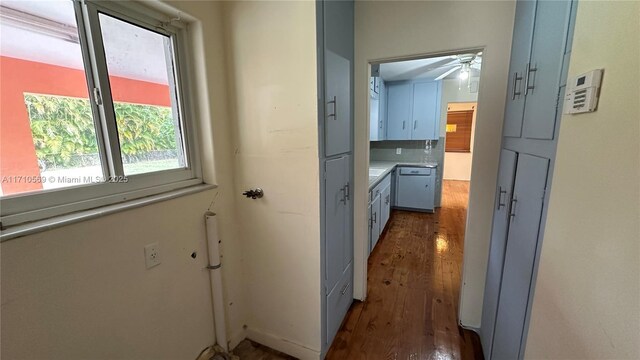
point(64, 133)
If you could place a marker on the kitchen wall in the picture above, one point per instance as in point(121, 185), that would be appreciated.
point(82, 291)
point(587, 296)
point(390, 30)
point(457, 166)
point(272, 67)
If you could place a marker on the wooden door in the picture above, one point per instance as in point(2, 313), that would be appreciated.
point(506, 174)
point(522, 240)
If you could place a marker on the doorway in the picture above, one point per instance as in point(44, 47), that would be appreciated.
point(416, 218)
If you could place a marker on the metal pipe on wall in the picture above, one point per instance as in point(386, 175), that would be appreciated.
point(215, 267)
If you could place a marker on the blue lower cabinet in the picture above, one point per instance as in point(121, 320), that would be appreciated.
point(415, 188)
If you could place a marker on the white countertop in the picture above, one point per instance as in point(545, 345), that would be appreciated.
point(387, 166)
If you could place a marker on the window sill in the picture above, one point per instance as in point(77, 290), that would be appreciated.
point(21, 230)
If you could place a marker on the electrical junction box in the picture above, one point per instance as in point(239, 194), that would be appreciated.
point(583, 92)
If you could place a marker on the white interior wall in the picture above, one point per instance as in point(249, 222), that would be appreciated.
point(389, 30)
point(456, 97)
point(82, 291)
point(272, 67)
point(587, 297)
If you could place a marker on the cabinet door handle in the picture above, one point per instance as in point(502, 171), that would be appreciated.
point(512, 211)
point(344, 196)
point(403, 124)
point(500, 192)
point(347, 192)
point(335, 107)
point(344, 289)
point(375, 218)
point(516, 79)
point(527, 85)
point(415, 124)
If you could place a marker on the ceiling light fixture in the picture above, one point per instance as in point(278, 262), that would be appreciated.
point(464, 72)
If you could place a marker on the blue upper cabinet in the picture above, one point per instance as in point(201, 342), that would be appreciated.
point(520, 51)
point(338, 76)
point(426, 106)
point(378, 112)
point(413, 110)
point(539, 40)
point(545, 69)
point(399, 100)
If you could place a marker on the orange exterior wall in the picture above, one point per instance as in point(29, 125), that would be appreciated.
point(17, 77)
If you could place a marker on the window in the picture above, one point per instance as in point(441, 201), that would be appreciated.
point(92, 107)
point(459, 126)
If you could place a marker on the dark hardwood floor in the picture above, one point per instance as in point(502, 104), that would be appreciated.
point(414, 281)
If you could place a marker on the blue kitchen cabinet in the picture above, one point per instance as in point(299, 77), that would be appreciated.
point(338, 244)
point(375, 222)
point(399, 99)
point(412, 110)
point(520, 52)
point(338, 249)
point(379, 209)
point(506, 174)
point(545, 69)
point(426, 111)
point(338, 104)
point(522, 239)
point(415, 188)
point(374, 118)
point(537, 52)
point(382, 110)
point(539, 61)
point(385, 206)
point(335, 68)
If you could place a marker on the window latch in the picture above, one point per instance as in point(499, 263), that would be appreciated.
point(97, 98)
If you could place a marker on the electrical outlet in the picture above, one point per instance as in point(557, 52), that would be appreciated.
point(398, 151)
point(152, 255)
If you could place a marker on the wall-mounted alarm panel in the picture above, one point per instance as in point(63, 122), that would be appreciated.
point(582, 92)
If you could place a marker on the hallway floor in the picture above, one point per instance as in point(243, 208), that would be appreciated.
point(414, 281)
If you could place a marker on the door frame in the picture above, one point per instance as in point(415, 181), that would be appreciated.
point(361, 158)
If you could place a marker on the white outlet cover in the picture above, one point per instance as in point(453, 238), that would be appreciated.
point(398, 151)
point(152, 255)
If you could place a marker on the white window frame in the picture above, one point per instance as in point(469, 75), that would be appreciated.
point(20, 208)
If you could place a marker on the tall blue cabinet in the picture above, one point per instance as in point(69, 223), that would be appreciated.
point(541, 48)
point(335, 113)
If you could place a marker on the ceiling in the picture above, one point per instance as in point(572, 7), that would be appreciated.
point(131, 51)
point(428, 69)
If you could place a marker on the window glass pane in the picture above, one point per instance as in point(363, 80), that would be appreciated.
point(140, 65)
point(47, 132)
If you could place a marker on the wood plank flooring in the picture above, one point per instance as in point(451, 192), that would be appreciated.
point(414, 282)
point(413, 290)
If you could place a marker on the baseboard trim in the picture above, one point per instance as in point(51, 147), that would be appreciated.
point(237, 338)
point(283, 345)
point(475, 329)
